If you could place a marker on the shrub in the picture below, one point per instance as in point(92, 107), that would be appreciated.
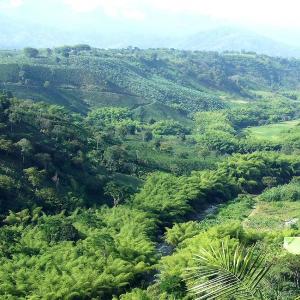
point(31, 52)
point(284, 192)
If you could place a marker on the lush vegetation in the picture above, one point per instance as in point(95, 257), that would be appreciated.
point(151, 158)
point(159, 83)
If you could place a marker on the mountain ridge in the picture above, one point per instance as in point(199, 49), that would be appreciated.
point(233, 39)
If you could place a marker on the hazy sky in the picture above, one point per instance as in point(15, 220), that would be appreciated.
point(275, 18)
point(275, 13)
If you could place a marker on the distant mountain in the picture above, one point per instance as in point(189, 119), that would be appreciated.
point(233, 39)
point(16, 34)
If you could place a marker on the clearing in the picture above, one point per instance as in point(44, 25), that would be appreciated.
point(273, 132)
point(270, 216)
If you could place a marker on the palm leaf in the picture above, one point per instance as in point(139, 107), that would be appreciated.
point(225, 271)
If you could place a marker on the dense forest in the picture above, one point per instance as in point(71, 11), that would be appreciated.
point(136, 174)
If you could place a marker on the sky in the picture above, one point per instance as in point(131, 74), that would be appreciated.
point(274, 18)
point(276, 13)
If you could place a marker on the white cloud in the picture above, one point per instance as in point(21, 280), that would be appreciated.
point(113, 8)
point(271, 12)
point(16, 3)
point(8, 4)
point(133, 15)
point(84, 6)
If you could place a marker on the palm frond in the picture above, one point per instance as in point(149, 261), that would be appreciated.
point(225, 271)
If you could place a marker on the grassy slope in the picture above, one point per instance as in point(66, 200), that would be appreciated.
point(269, 216)
point(159, 111)
point(273, 132)
point(258, 215)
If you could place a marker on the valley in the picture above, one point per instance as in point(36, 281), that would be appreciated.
point(119, 167)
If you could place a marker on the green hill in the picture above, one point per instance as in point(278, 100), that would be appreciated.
point(182, 81)
point(148, 157)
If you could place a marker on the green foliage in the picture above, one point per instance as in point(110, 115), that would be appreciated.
point(31, 52)
point(223, 142)
point(180, 232)
point(284, 267)
point(109, 76)
point(115, 201)
point(228, 271)
point(276, 131)
point(171, 86)
point(56, 229)
point(173, 267)
point(171, 198)
point(275, 216)
point(105, 250)
point(82, 47)
point(108, 116)
point(264, 112)
point(50, 157)
point(169, 128)
point(213, 121)
point(290, 192)
point(221, 131)
point(249, 170)
point(117, 192)
point(25, 147)
point(147, 136)
point(235, 210)
point(162, 194)
point(115, 157)
point(136, 294)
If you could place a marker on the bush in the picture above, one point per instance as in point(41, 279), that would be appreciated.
point(181, 231)
point(282, 193)
point(57, 229)
point(31, 52)
point(169, 128)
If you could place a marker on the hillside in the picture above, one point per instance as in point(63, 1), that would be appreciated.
point(126, 165)
point(185, 82)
